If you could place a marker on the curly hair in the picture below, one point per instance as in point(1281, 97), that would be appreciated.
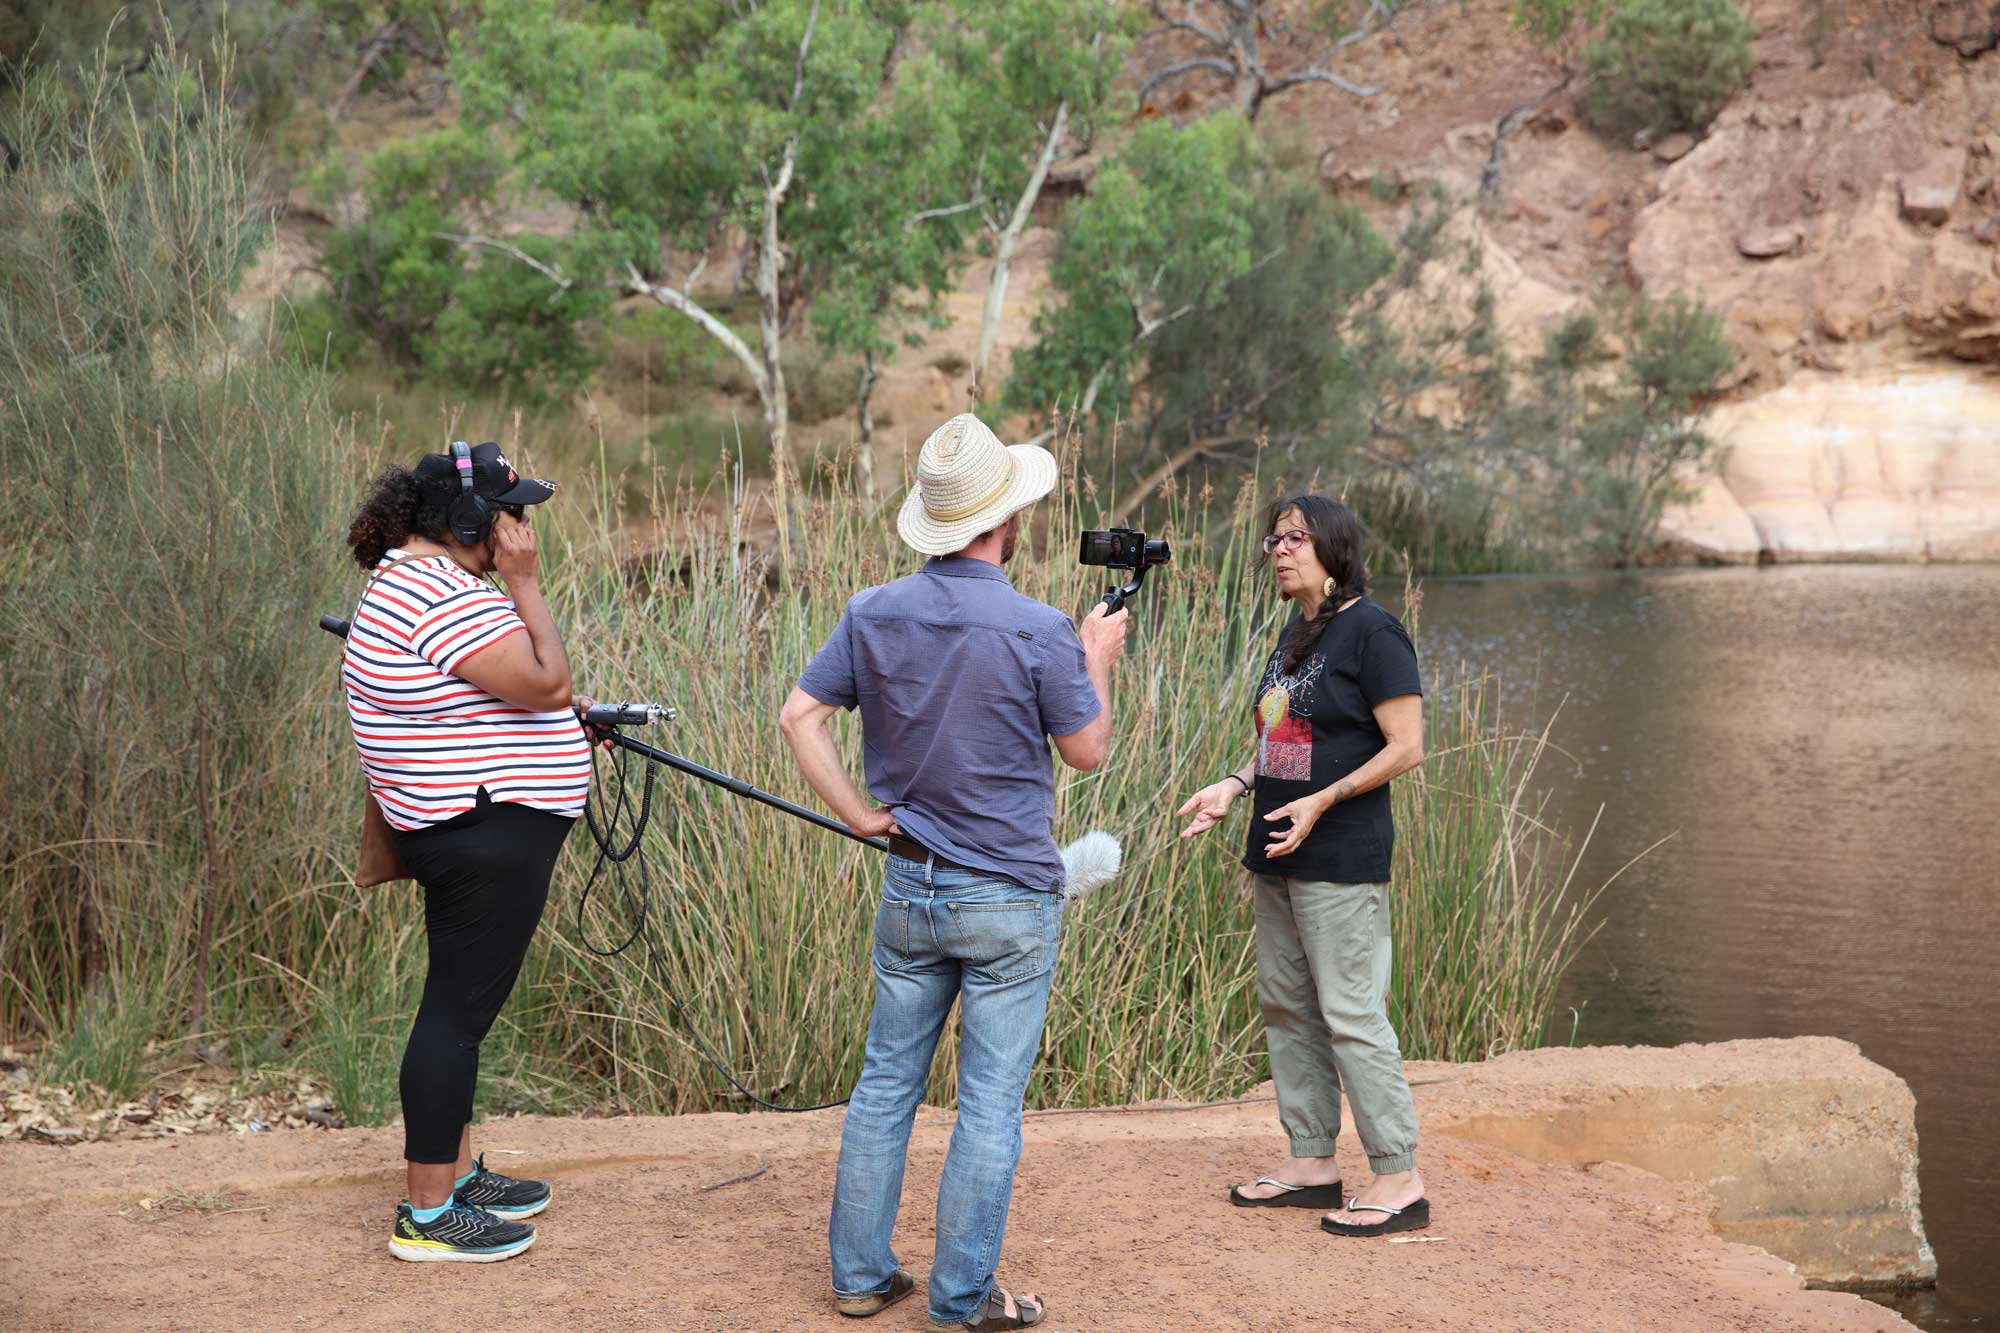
point(1336, 539)
point(396, 508)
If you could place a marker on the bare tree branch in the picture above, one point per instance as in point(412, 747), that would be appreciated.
point(952, 211)
point(1220, 66)
point(1489, 175)
point(513, 252)
point(680, 300)
point(1185, 23)
point(1165, 472)
point(1009, 239)
point(384, 37)
point(799, 70)
point(1235, 47)
point(1318, 75)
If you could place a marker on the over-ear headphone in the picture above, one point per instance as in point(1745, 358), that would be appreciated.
point(470, 516)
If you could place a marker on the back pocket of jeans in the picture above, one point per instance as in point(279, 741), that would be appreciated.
point(1002, 941)
point(892, 933)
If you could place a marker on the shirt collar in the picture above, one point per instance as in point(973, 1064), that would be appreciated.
point(961, 567)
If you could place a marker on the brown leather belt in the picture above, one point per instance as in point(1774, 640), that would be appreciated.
point(912, 850)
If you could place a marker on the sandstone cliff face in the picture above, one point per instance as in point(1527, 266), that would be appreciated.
point(1876, 465)
point(1863, 424)
point(1842, 216)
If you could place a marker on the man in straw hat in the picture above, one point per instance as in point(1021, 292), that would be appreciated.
point(961, 681)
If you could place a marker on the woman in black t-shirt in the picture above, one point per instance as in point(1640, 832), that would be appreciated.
point(1338, 712)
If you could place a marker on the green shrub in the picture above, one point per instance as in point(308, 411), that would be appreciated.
point(664, 346)
point(510, 327)
point(692, 444)
point(1667, 65)
point(104, 1043)
point(468, 319)
point(819, 387)
point(392, 273)
point(150, 624)
point(314, 334)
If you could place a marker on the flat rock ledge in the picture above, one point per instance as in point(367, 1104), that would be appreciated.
point(1808, 1148)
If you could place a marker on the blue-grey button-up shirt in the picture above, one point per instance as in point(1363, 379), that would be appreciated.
point(961, 681)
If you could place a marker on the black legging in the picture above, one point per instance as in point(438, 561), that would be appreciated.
point(486, 880)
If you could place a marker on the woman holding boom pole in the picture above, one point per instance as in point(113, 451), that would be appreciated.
point(459, 698)
point(1338, 713)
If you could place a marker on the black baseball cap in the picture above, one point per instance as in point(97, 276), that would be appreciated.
point(493, 477)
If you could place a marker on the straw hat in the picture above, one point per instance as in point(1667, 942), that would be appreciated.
point(968, 483)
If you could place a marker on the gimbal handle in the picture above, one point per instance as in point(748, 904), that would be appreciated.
point(1115, 598)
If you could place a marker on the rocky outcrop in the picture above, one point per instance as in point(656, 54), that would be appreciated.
point(1808, 1149)
point(1970, 27)
point(1870, 466)
point(1884, 267)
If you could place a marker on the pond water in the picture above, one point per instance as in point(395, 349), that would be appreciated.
point(1823, 743)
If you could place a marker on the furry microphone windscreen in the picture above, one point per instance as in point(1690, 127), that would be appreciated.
point(1089, 862)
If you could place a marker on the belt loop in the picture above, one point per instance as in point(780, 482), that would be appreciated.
point(930, 861)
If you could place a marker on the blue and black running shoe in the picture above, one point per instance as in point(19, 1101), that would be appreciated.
point(460, 1234)
point(503, 1196)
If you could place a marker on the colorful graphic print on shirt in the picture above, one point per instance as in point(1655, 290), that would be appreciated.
point(1284, 720)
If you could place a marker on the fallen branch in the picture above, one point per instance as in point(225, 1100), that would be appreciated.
point(386, 36)
point(735, 1180)
point(1489, 175)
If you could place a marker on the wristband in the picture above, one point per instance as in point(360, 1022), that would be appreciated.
point(1244, 785)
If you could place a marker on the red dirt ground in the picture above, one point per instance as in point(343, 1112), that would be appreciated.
point(1119, 1219)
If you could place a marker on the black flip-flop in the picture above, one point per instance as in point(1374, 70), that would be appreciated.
point(1412, 1217)
point(1290, 1196)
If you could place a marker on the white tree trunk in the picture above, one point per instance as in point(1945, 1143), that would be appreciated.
point(864, 420)
point(1010, 238)
point(771, 329)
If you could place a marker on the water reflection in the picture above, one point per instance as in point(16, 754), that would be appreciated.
point(1823, 743)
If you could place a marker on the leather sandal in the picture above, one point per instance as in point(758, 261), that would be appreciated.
point(1000, 1311)
point(1289, 1196)
point(1412, 1217)
point(860, 1307)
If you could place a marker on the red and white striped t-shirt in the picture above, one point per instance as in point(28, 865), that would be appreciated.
point(430, 740)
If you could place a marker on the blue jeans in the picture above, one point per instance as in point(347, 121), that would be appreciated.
point(991, 944)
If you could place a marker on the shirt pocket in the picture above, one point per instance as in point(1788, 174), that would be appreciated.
point(1006, 941)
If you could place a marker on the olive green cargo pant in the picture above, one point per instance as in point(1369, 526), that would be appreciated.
point(1323, 980)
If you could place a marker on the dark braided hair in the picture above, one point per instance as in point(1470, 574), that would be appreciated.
point(1336, 539)
point(397, 508)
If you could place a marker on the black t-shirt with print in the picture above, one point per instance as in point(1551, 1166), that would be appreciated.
point(1314, 726)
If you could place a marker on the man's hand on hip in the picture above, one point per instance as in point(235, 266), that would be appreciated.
point(875, 823)
point(1103, 637)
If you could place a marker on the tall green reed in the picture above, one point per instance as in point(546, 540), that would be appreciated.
point(765, 922)
point(162, 469)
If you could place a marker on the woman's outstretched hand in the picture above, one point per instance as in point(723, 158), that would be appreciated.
point(1210, 806)
point(1303, 813)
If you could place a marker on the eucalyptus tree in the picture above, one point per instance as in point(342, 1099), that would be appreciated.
point(1035, 83)
point(677, 131)
point(1230, 39)
point(1162, 233)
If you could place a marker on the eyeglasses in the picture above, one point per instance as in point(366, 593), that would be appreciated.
point(518, 511)
point(1287, 541)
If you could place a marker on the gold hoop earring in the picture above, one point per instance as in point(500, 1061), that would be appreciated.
point(1326, 589)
